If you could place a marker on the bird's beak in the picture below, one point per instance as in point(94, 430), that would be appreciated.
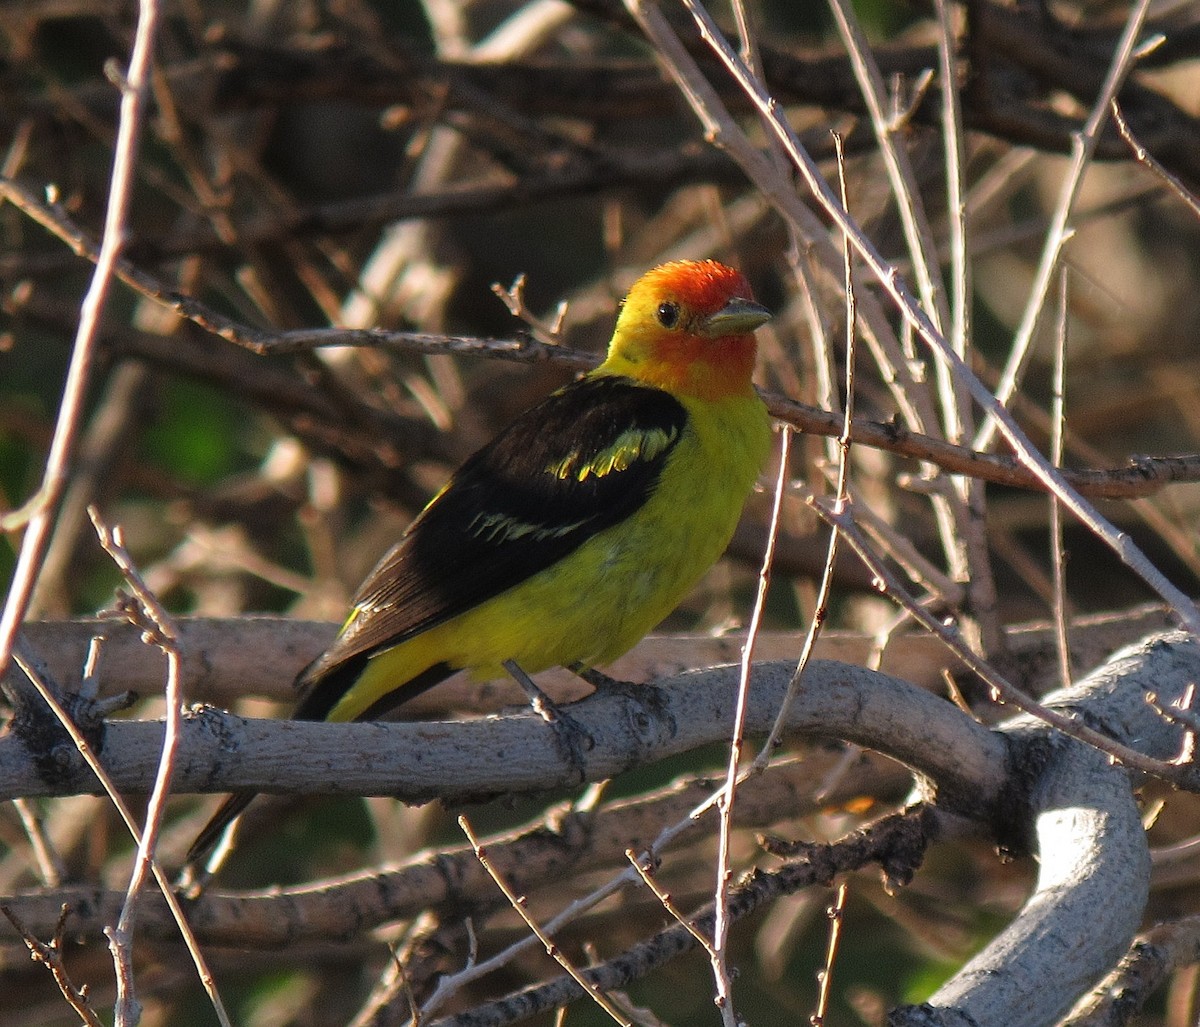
point(735, 318)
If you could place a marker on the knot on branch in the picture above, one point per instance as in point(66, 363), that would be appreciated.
point(897, 842)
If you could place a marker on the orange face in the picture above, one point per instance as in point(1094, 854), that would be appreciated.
point(688, 327)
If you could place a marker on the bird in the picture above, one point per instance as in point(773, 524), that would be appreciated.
point(575, 530)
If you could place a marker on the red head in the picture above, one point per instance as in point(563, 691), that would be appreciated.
point(688, 327)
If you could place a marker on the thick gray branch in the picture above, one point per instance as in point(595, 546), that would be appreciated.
point(1033, 786)
point(1094, 864)
point(418, 762)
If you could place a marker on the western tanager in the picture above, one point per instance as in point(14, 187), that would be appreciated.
point(576, 529)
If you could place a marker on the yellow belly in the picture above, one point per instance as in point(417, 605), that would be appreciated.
point(599, 601)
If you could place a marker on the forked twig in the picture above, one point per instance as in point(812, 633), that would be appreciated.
point(50, 955)
point(514, 299)
point(158, 629)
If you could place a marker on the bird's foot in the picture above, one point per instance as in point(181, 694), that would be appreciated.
point(573, 738)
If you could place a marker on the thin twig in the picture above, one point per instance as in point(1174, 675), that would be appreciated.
point(29, 666)
point(901, 548)
point(1058, 555)
point(889, 278)
point(918, 236)
point(719, 952)
point(645, 871)
point(957, 412)
point(840, 499)
point(1144, 157)
point(552, 949)
point(836, 914)
point(1083, 145)
point(51, 868)
point(40, 510)
point(50, 955)
point(1002, 688)
point(158, 629)
point(1142, 477)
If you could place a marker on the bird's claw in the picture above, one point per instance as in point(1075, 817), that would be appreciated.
point(573, 738)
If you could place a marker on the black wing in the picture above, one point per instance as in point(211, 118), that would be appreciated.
point(582, 460)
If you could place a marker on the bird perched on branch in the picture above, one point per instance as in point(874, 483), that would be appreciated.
point(576, 529)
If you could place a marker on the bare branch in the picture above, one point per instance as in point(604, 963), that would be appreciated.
point(418, 762)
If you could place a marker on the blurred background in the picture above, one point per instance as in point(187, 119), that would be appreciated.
point(368, 165)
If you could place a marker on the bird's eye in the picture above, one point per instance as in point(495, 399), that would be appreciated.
point(668, 314)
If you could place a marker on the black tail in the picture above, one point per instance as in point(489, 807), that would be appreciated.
point(211, 833)
point(320, 697)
